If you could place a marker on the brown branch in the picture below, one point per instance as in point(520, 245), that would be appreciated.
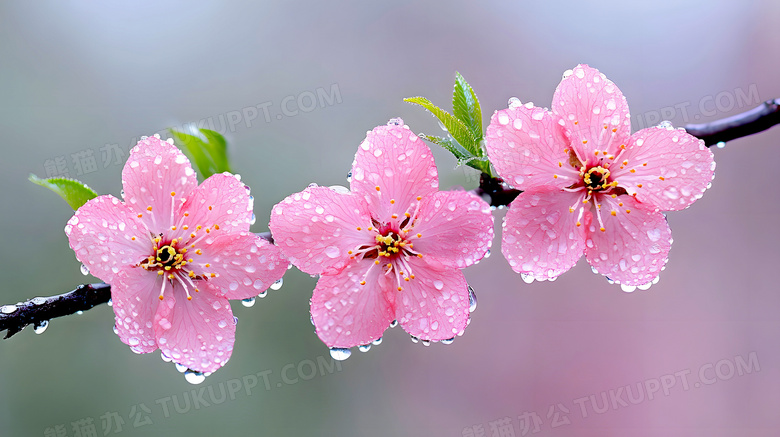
point(39, 310)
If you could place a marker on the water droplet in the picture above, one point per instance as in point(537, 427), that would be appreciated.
point(627, 288)
point(377, 342)
point(181, 368)
point(364, 348)
point(721, 144)
point(340, 354)
point(278, 284)
point(194, 377)
point(487, 254)
point(8, 309)
point(249, 303)
point(527, 277)
point(666, 124)
point(263, 294)
point(116, 331)
point(165, 358)
point(333, 252)
point(567, 73)
point(110, 303)
point(349, 177)
point(313, 185)
point(84, 270)
point(40, 327)
point(414, 339)
point(514, 102)
point(39, 301)
point(438, 284)
point(394, 323)
point(426, 342)
point(472, 300)
point(448, 340)
point(397, 121)
point(253, 219)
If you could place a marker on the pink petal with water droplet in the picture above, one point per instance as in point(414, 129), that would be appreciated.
point(681, 159)
point(541, 236)
point(101, 234)
point(348, 314)
point(317, 228)
point(634, 246)
point(245, 265)
point(456, 228)
point(587, 101)
point(134, 295)
point(197, 333)
point(400, 164)
point(220, 200)
point(154, 169)
point(435, 304)
point(526, 147)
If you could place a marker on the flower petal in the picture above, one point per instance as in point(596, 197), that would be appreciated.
point(317, 227)
point(106, 236)
point(134, 295)
point(153, 171)
point(220, 200)
point(541, 237)
point(435, 304)
point(455, 226)
point(526, 146)
point(197, 333)
point(671, 168)
point(348, 314)
point(400, 164)
point(244, 263)
point(587, 102)
point(634, 246)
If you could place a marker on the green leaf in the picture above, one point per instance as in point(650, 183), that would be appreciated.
point(459, 131)
point(206, 148)
point(74, 192)
point(451, 145)
point(465, 106)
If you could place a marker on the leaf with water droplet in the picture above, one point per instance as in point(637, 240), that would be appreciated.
point(465, 106)
point(72, 191)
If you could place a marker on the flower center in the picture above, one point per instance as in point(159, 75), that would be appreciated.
point(597, 178)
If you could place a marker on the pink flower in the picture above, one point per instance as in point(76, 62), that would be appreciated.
point(391, 249)
point(174, 253)
point(589, 185)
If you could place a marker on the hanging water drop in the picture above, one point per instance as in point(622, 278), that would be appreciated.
point(414, 339)
point(116, 330)
point(79, 312)
point(364, 347)
point(278, 284)
point(472, 300)
point(394, 323)
point(180, 367)
point(84, 270)
point(377, 342)
point(165, 358)
point(349, 177)
point(40, 327)
point(448, 340)
point(110, 303)
point(527, 277)
point(263, 294)
point(249, 303)
point(426, 342)
point(253, 219)
point(721, 144)
point(487, 254)
point(627, 288)
point(340, 354)
point(235, 320)
point(194, 377)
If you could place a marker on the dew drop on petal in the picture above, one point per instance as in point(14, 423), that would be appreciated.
point(248, 302)
point(364, 347)
point(278, 284)
point(340, 354)
point(472, 300)
point(84, 270)
point(194, 377)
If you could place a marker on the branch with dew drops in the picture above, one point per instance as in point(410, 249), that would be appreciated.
point(39, 310)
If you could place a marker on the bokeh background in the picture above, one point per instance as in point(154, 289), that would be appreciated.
point(87, 78)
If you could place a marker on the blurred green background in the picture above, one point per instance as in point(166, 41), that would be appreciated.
point(85, 79)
